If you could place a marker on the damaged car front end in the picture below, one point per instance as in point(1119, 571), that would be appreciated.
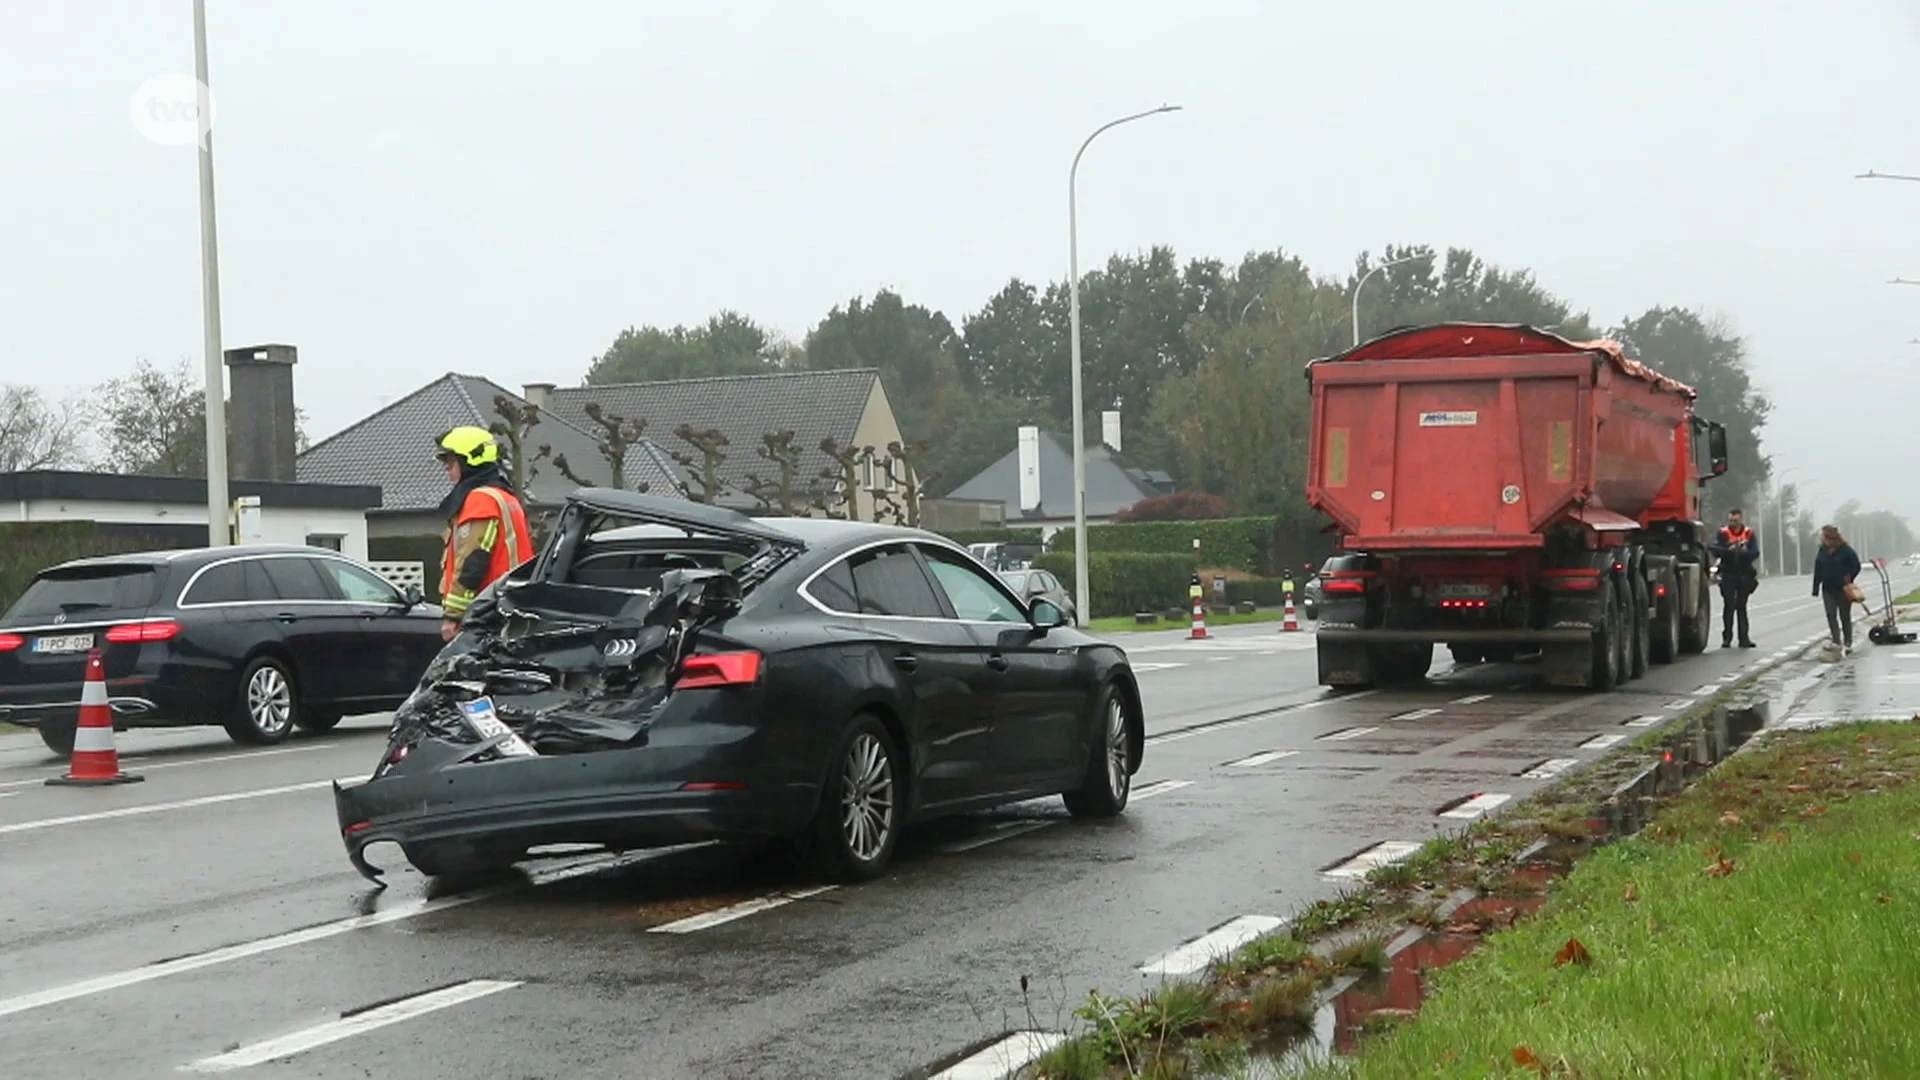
point(592, 696)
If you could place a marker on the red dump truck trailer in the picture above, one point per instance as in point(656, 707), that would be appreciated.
point(1500, 490)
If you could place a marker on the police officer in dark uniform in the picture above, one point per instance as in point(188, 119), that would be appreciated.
point(1738, 550)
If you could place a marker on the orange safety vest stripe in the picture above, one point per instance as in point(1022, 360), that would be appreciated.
point(512, 547)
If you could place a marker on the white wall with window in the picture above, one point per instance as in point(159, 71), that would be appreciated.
point(344, 531)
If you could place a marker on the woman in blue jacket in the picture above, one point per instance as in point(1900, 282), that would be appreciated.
point(1834, 568)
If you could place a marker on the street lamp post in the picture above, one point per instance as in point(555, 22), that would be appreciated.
point(217, 532)
point(1363, 281)
point(1780, 512)
point(1082, 601)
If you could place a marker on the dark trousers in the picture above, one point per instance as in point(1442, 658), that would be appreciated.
point(1733, 605)
point(1839, 615)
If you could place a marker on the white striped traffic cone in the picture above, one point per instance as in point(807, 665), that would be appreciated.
point(1199, 619)
point(1289, 623)
point(94, 760)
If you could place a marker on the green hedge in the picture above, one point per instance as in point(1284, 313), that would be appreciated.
point(1126, 582)
point(964, 537)
point(28, 547)
point(1264, 592)
point(1240, 543)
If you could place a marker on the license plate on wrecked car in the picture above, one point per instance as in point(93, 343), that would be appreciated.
point(479, 715)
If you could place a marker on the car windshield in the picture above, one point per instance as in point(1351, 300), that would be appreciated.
point(1015, 580)
point(76, 590)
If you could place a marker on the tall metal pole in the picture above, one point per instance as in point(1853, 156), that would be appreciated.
point(216, 392)
point(1082, 598)
point(1363, 281)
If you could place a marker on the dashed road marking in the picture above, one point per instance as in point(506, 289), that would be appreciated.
point(156, 808)
point(1260, 759)
point(1550, 768)
point(1416, 714)
point(1680, 703)
point(149, 766)
point(1386, 851)
point(1644, 721)
point(1708, 690)
point(1005, 830)
point(1471, 699)
point(1478, 805)
point(1144, 668)
point(1159, 787)
point(1601, 742)
point(1004, 1058)
point(709, 920)
point(1348, 733)
point(1195, 955)
point(348, 1026)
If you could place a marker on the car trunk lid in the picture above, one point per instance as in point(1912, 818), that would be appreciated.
point(69, 610)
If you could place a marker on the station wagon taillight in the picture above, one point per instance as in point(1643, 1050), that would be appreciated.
point(133, 633)
point(719, 669)
point(10, 642)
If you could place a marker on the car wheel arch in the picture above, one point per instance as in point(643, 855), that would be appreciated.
point(890, 719)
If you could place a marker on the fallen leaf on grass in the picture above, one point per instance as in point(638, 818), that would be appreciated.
point(1572, 953)
point(1631, 894)
point(1813, 811)
point(1854, 857)
point(1797, 789)
point(1729, 818)
point(1720, 867)
point(1777, 837)
point(1525, 1058)
point(1885, 899)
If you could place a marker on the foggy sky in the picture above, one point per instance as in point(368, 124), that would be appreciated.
point(411, 187)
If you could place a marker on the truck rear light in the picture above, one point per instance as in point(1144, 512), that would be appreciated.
point(719, 669)
point(10, 642)
point(1463, 603)
point(152, 630)
point(1659, 590)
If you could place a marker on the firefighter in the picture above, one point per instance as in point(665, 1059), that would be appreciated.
point(487, 531)
point(1738, 550)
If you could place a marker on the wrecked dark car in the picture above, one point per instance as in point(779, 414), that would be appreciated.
point(667, 672)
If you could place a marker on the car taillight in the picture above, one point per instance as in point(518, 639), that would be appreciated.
point(1343, 585)
point(132, 633)
point(719, 669)
point(10, 642)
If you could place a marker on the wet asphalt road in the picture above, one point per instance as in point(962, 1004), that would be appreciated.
point(207, 918)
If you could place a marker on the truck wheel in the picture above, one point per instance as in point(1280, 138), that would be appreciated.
point(1694, 632)
point(1404, 663)
point(1663, 645)
point(1464, 654)
point(1606, 641)
point(1642, 627)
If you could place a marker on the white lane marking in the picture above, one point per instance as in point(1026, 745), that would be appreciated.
point(1477, 806)
point(1471, 699)
point(1416, 714)
point(1159, 787)
point(9, 795)
point(1195, 732)
point(1144, 668)
point(226, 954)
point(741, 910)
point(1644, 721)
point(1708, 690)
point(348, 1026)
point(1195, 955)
point(1601, 742)
point(1348, 733)
point(144, 766)
point(1260, 759)
point(1002, 831)
point(1906, 656)
point(1220, 659)
point(1386, 851)
point(1681, 703)
point(156, 808)
point(1549, 769)
point(1004, 1058)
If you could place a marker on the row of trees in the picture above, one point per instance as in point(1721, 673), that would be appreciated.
point(1202, 359)
point(151, 422)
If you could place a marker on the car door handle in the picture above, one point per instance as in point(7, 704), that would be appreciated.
point(997, 662)
point(906, 661)
point(286, 616)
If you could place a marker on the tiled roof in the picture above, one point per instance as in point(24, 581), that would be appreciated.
point(1113, 483)
point(814, 405)
point(394, 448)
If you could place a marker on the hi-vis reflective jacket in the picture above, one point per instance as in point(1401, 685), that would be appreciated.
point(487, 538)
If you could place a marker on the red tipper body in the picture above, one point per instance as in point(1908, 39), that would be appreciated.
point(1501, 490)
point(1460, 437)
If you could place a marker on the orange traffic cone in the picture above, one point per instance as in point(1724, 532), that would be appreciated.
point(1199, 619)
point(1289, 623)
point(94, 760)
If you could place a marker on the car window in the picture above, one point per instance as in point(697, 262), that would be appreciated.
point(1015, 581)
point(360, 586)
point(834, 588)
point(75, 591)
point(889, 581)
point(972, 595)
point(222, 583)
point(297, 579)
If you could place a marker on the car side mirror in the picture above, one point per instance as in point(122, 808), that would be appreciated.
point(1046, 616)
point(413, 596)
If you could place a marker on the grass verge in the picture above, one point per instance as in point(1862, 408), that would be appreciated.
point(1124, 624)
point(1910, 598)
point(1763, 925)
point(12, 729)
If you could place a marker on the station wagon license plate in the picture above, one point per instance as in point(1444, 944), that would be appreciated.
point(68, 643)
point(481, 717)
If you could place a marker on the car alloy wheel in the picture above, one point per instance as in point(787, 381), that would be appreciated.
point(866, 798)
point(270, 701)
point(1118, 779)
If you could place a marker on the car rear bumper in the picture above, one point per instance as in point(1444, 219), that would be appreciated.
point(625, 799)
point(137, 701)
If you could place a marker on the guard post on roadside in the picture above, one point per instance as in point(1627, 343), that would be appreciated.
point(1199, 609)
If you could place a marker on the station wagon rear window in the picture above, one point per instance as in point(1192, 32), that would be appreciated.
point(78, 590)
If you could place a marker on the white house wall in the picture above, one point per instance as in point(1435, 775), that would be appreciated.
point(279, 524)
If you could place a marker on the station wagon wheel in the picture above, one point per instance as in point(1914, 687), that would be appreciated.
point(857, 823)
point(268, 704)
point(1109, 776)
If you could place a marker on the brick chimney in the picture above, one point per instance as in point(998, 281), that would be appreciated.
point(260, 414)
